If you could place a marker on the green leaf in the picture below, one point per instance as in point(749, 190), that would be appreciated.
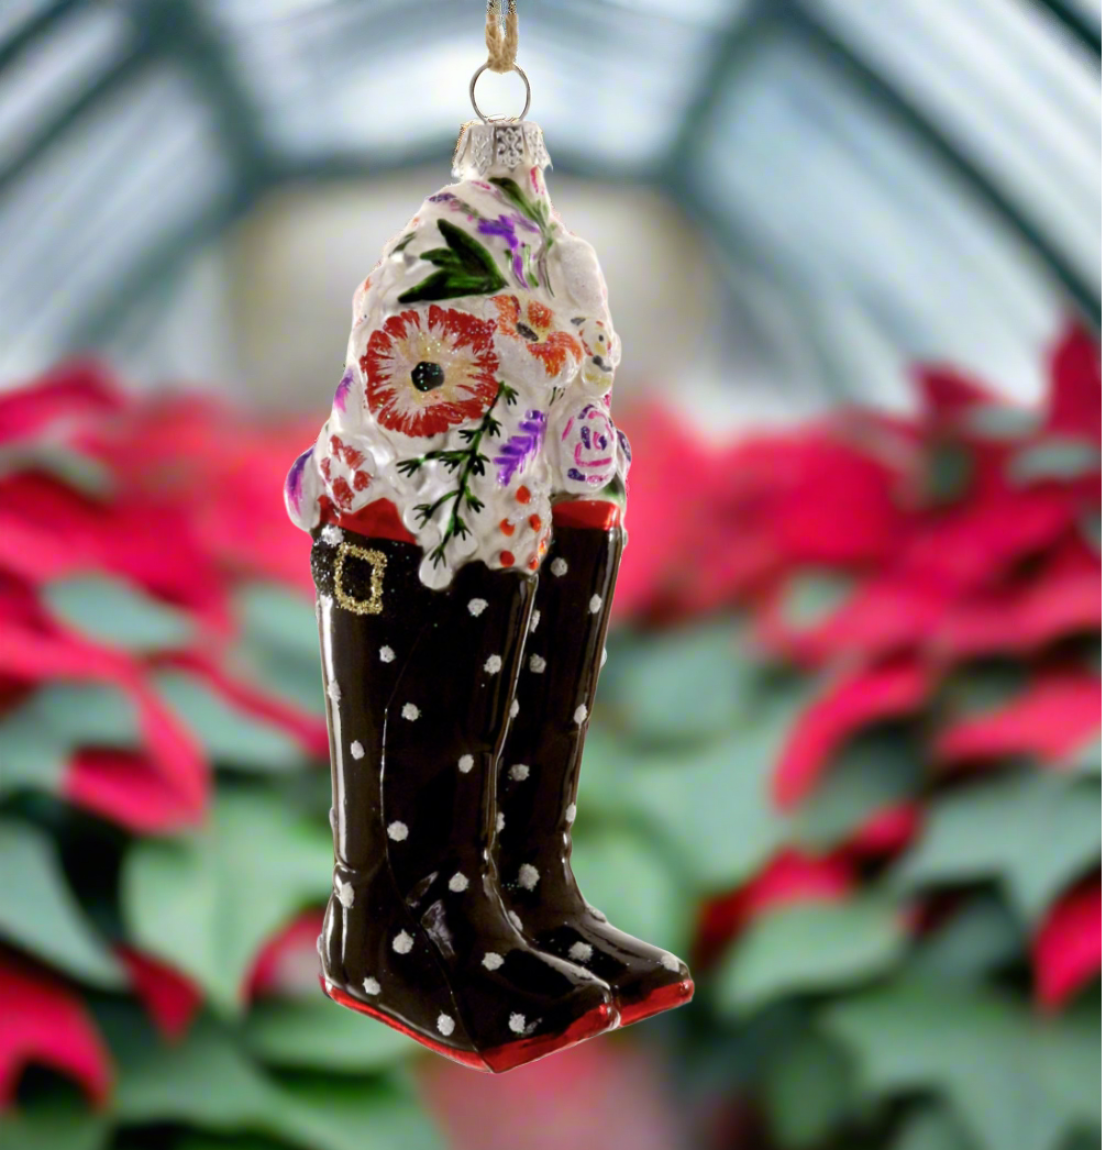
point(1018, 1082)
point(1002, 421)
point(207, 901)
point(949, 471)
point(606, 771)
point(1059, 459)
point(316, 1034)
point(811, 597)
point(807, 1090)
point(278, 618)
point(59, 1124)
point(1090, 530)
point(811, 947)
point(465, 268)
point(38, 737)
point(1034, 832)
point(202, 1141)
point(972, 691)
point(932, 1128)
point(622, 875)
point(979, 937)
point(40, 914)
point(278, 648)
point(1086, 760)
point(685, 685)
point(61, 461)
point(712, 805)
point(119, 614)
point(231, 737)
point(868, 775)
point(206, 1080)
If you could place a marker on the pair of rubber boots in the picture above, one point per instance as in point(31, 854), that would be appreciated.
point(456, 721)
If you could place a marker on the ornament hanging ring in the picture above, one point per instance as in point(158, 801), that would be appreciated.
point(527, 92)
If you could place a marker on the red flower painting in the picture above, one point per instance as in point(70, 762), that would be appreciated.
point(533, 323)
point(428, 373)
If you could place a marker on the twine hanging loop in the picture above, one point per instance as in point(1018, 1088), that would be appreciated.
point(501, 43)
point(501, 52)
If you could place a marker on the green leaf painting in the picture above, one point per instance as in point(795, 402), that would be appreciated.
point(464, 267)
point(535, 210)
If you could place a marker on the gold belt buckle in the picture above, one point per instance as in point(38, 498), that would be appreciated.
point(372, 605)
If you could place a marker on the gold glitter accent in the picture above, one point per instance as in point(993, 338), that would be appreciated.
point(372, 606)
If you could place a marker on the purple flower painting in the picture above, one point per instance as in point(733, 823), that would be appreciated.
point(520, 447)
point(506, 227)
point(340, 397)
point(292, 488)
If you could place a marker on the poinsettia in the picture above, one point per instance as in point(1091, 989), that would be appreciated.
point(933, 580)
point(127, 530)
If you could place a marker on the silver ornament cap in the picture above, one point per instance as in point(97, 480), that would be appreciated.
point(485, 148)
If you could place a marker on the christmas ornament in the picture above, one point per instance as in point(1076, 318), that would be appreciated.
point(465, 499)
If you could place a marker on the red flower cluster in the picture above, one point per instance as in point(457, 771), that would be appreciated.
point(892, 557)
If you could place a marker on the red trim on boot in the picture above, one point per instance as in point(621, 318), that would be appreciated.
point(469, 1058)
point(378, 520)
point(664, 998)
point(501, 1058)
point(596, 513)
point(513, 1054)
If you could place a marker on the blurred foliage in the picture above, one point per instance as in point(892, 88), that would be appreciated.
point(857, 777)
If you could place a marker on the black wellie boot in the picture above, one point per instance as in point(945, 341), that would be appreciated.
point(538, 784)
point(420, 686)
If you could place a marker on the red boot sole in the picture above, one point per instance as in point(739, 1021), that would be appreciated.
point(513, 1054)
point(501, 1058)
point(469, 1058)
point(664, 998)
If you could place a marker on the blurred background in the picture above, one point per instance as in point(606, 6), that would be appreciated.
point(845, 755)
